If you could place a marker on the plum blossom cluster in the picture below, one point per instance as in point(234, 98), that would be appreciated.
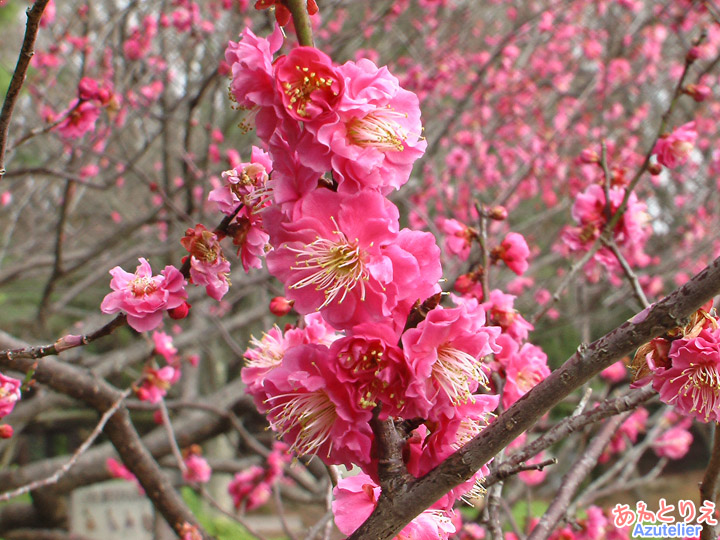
point(340, 139)
point(9, 396)
point(684, 367)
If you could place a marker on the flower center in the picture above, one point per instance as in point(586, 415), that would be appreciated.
point(338, 267)
point(142, 286)
point(299, 90)
point(379, 129)
point(313, 412)
point(703, 383)
point(266, 352)
point(454, 370)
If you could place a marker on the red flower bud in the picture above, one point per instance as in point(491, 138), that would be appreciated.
point(589, 156)
point(654, 169)
point(6, 431)
point(692, 54)
point(280, 306)
point(179, 312)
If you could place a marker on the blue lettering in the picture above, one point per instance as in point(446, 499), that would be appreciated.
point(638, 531)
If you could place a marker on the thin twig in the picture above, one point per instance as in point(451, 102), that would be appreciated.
point(629, 274)
point(53, 478)
point(27, 51)
point(301, 20)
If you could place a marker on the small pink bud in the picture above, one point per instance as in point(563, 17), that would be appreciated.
point(699, 92)
point(589, 156)
point(693, 54)
point(6, 431)
point(68, 342)
point(281, 306)
point(87, 88)
point(498, 213)
point(179, 312)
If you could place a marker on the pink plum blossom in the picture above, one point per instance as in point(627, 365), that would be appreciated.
point(445, 352)
point(156, 382)
point(144, 297)
point(691, 383)
point(80, 118)
point(502, 313)
point(355, 498)
point(208, 265)
point(164, 347)
point(375, 134)
point(9, 394)
point(251, 238)
point(675, 442)
point(524, 369)
point(196, 469)
point(310, 87)
point(343, 255)
point(458, 237)
point(246, 184)
point(514, 252)
point(312, 410)
point(673, 149)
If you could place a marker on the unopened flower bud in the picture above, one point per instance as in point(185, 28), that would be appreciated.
point(67, 342)
point(498, 213)
point(179, 312)
point(6, 431)
point(699, 92)
point(589, 156)
point(654, 169)
point(465, 283)
point(692, 54)
point(281, 306)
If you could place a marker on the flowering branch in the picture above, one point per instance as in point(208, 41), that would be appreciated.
point(390, 516)
point(26, 53)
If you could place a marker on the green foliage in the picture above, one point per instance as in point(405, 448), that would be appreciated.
point(217, 526)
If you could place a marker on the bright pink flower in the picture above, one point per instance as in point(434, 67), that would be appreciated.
point(252, 71)
point(251, 238)
point(312, 410)
point(248, 488)
point(155, 383)
point(502, 313)
point(343, 255)
point(80, 119)
point(673, 149)
point(246, 183)
point(615, 372)
point(459, 237)
point(523, 370)
point(208, 265)
point(692, 382)
point(445, 352)
point(164, 347)
point(9, 394)
point(675, 442)
point(355, 498)
point(371, 363)
point(144, 297)
point(309, 86)
point(629, 431)
point(375, 134)
point(514, 252)
point(589, 212)
point(196, 469)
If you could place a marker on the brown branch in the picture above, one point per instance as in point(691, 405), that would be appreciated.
point(26, 53)
point(101, 396)
point(390, 516)
point(711, 484)
point(301, 20)
point(570, 482)
point(629, 274)
point(53, 478)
